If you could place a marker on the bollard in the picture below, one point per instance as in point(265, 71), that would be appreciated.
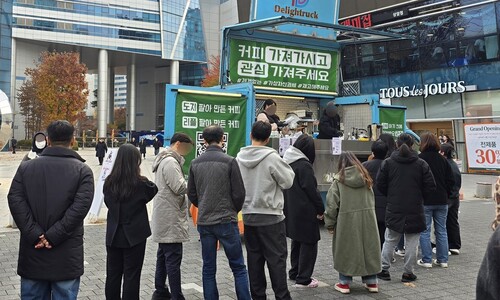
point(483, 190)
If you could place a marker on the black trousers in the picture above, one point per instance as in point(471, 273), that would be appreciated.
point(101, 159)
point(452, 225)
point(303, 258)
point(168, 265)
point(381, 233)
point(267, 244)
point(126, 263)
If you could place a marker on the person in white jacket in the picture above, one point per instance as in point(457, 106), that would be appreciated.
point(169, 221)
point(265, 175)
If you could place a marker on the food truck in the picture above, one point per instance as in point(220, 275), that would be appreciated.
point(290, 59)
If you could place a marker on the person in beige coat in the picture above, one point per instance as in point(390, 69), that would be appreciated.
point(170, 221)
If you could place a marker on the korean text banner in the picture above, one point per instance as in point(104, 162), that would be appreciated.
point(194, 112)
point(278, 66)
point(482, 142)
point(392, 120)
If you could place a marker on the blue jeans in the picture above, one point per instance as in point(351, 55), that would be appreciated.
point(229, 237)
point(370, 279)
point(47, 290)
point(438, 213)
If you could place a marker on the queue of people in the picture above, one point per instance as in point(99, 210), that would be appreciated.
point(278, 197)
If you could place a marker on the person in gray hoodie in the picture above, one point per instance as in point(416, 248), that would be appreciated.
point(265, 175)
point(170, 222)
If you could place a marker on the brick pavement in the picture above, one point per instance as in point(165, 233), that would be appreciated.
point(456, 282)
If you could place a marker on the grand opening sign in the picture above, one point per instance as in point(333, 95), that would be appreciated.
point(482, 142)
point(272, 65)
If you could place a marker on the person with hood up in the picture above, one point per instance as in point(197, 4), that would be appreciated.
point(402, 179)
point(329, 123)
point(37, 147)
point(169, 221)
point(100, 150)
point(350, 217)
point(303, 210)
point(265, 175)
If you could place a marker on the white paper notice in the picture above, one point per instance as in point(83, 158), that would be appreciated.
point(285, 143)
point(336, 146)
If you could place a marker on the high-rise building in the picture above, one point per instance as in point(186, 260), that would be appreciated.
point(133, 47)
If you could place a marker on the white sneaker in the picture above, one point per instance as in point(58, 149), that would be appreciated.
point(449, 253)
point(442, 265)
point(314, 284)
point(400, 252)
point(423, 264)
point(455, 251)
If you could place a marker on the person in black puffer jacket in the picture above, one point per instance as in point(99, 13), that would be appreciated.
point(435, 202)
point(303, 207)
point(379, 151)
point(403, 178)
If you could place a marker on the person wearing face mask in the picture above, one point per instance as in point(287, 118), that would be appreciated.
point(329, 124)
point(268, 115)
point(38, 145)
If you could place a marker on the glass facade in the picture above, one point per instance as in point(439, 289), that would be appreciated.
point(460, 45)
point(92, 9)
point(182, 31)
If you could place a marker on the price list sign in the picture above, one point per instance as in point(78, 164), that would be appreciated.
point(482, 142)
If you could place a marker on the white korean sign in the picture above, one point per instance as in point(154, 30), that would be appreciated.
point(336, 146)
point(107, 166)
point(482, 142)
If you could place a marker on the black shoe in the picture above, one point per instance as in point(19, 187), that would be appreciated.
point(384, 275)
point(409, 277)
point(160, 296)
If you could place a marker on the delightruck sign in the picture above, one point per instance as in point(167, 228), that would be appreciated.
point(272, 65)
point(482, 142)
point(194, 112)
point(392, 120)
point(325, 11)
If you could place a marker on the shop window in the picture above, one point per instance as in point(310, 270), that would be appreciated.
point(439, 55)
point(479, 50)
point(410, 29)
point(482, 104)
point(443, 106)
point(414, 106)
point(436, 29)
point(403, 61)
point(350, 69)
point(373, 65)
point(484, 76)
point(474, 22)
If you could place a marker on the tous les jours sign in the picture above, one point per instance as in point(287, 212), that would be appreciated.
point(426, 91)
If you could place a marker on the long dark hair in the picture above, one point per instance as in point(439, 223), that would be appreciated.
point(126, 173)
point(405, 142)
point(348, 159)
point(388, 139)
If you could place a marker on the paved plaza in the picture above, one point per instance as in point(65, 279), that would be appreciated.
point(456, 282)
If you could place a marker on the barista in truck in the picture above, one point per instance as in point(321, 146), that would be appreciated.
point(329, 123)
point(268, 114)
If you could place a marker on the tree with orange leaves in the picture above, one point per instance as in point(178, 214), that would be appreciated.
point(211, 73)
point(59, 85)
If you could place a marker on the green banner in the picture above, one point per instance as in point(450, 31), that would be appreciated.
point(392, 120)
point(278, 66)
point(194, 112)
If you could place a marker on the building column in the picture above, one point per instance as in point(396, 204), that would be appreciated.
point(131, 101)
point(111, 102)
point(174, 72)
point(102, 93)
point(12, 95)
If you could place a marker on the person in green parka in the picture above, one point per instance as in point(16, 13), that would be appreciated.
point(350, 218)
